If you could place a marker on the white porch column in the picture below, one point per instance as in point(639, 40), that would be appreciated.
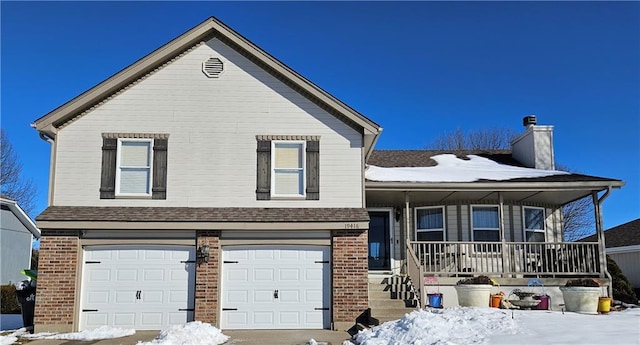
point(502, 239)
point(597, 207)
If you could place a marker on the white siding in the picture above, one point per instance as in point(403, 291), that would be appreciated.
point(628, 263)
point(212, 123)
point(451, 223)
point(15, 243)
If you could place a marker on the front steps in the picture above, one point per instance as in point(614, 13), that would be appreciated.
point(390, 298)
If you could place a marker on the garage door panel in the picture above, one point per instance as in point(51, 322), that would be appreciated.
point(269, 268)
point(126, 275)
point(123, 319)
point(124, 296)
point(263, 318)
point(96, 319)
point(134, 293)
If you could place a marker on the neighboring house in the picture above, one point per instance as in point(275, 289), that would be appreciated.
point(17, 232)
point(208, 181)
point(623, 246)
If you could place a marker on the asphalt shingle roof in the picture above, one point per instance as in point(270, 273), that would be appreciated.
point(422, 158)
point(627, 234)
point(202, 214)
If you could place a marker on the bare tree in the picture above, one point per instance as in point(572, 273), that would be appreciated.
point(578, 216)
point(484, 139)
point(578, 219)
point(12, 184)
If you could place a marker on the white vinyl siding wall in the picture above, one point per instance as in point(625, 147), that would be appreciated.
point(212, 125)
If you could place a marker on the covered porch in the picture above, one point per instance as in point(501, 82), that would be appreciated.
point(509, 248)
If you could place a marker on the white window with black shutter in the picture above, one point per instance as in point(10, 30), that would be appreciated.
point(288, 167)
point(134, 165)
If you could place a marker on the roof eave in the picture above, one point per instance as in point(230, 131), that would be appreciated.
point(492, 186)
point(22, 216)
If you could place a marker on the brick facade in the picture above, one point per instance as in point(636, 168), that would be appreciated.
point(57, 265)
point(350, 277)
point(207, 279)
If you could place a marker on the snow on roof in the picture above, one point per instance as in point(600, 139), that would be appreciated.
point(453, 169)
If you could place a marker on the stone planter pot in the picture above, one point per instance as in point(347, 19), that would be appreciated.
point(581, 299)
point(472, 295)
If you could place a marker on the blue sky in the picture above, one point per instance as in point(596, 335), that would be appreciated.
point(419, 69)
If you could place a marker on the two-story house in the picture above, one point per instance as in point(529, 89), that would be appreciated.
point(208, 181)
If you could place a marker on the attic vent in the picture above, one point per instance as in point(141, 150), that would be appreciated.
point(212, 67)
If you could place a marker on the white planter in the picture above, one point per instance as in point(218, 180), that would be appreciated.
point(472, 295)
point(581, 299)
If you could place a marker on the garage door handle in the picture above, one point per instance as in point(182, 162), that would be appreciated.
point(229, 309)
point(138, 293)
point(86, 310)
point(275, 294)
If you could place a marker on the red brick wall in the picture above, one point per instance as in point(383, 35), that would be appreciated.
point(350, 275)
point(207, 279)
point(57, 266)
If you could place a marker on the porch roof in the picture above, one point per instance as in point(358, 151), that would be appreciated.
point(554, 189)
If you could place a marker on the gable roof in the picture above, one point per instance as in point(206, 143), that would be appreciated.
point(21, 215)
point(627, 234)
point(210, 28)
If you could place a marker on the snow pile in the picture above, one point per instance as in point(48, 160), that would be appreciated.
point(192, 333)
point(453, 169)
point(459, 325)
point(102, 332)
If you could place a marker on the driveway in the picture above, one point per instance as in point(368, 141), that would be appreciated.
point(257, 337)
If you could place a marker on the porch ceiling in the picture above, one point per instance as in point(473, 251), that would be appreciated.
point(397, 197)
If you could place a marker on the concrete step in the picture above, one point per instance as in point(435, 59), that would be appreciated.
point(391, 295)
point(387, 279)
point(382, 319)
point(393, 288)
point(389, 303)
point(394, 313)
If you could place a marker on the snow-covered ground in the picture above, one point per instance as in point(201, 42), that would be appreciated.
point(463, 325)
point(458, 325)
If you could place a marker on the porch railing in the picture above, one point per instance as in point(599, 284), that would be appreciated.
point(416, 274)
point(511, 259)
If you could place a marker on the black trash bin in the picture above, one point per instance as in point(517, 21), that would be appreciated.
point(26, 294)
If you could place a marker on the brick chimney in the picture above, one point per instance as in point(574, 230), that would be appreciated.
point(534, 147)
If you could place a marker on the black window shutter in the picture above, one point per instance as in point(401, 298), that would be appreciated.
point(313, 170)
point(159, 187)
point(108, 175)
point(263, 183)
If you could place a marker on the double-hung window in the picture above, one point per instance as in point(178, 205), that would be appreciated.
point(133, 174)
point(288, 166)
point(134, 165)
point(430, 224)
point(288, 176)
point(533, 224)
point(486, 223)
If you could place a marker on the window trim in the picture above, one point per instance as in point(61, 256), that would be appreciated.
point(524, 222)
point(444, 223)
point(150, 153)
point(473, 228)
point(302, 169)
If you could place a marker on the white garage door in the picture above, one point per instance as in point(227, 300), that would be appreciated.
point(141, 287)
point(276, 287)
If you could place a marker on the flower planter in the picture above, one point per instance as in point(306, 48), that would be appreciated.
point(581, 299)
point(473, 295)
